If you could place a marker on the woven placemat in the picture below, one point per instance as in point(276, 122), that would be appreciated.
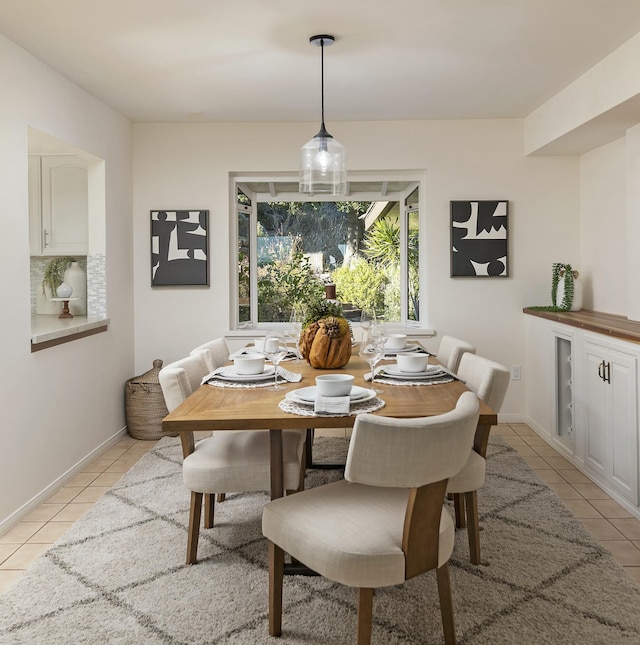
point(307, 411)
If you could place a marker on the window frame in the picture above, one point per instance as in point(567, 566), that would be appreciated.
point(415, 179)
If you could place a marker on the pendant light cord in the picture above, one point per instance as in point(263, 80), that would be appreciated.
point(322, 79)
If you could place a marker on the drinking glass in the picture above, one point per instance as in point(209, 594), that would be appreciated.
point(295, 329)
point(275, 349)
point(375, 353)
point(367, 318)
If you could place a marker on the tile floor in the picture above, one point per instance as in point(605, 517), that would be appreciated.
point(612, 525)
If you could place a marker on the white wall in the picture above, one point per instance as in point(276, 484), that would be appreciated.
point(59, 404)
point(603, 228)
point(179, 166)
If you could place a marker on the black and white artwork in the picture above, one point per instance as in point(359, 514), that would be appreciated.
point(479, 241)
point(179, 248)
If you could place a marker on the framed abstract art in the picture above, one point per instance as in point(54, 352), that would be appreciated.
point(479, 239)
point(179, 248)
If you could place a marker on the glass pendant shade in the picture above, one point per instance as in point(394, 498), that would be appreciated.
point(323, 166)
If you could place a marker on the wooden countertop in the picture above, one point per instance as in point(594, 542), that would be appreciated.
point(596, 321)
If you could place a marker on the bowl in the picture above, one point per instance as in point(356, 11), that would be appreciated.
point(412, 362)
point(249, 364)
point(334, 384)
point(396, 341)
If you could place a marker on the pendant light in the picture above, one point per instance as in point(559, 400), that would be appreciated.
point(323, 160)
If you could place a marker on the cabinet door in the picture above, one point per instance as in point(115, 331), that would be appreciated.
point(596, 412)
point(64, 206)
point(624, 423)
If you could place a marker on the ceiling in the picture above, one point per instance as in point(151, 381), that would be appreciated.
point(250, 60)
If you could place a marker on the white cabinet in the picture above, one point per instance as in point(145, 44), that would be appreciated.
point(582, 396)
point(58, 205)
point(610, 390)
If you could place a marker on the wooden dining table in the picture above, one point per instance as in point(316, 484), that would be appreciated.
point(228, 409)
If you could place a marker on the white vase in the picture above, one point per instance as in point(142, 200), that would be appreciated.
point(576, 305)
point(64, 290)
point(76, 278)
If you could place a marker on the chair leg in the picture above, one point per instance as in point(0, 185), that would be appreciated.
point(195, 512)
point(446, 604)
point(471, 501)
point(276, 574)
point(221, 497)
point(365, 615)
point(309, 447)
point(209, 510)
point(458, 507)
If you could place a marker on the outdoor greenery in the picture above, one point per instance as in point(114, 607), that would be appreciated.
point(304, 245)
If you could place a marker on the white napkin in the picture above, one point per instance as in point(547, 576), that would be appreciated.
point(292, 377)
point(332, 404)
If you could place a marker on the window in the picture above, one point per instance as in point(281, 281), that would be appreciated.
point(290, 246)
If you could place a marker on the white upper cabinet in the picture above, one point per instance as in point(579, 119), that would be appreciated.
point(58, 205)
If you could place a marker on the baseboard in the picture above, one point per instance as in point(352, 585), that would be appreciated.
point(7, 523)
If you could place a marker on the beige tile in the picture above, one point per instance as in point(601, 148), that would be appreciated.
point(330, 432)
point(634, 572)
point(72, 512)
point(591, 491)
point(546, 451)
point(27, 554)
point(559, 463)
point(7, 549)
point(602, 529)
point(50, 532)
point(7, 578)
point(80, 480)
point(43, 513)
point(575, 476)
point(526, 451)
point(516, 442)
point(550, 476)
point(522, 429)
point(534, 440)
point(630, 528)
point(129, 441)
point(21, 532)
point(106, 479)
point(502, 430)
point(564, 490)
point(97, 466)
point(65, 495)
point(91, 494)
point(623, 551)
point(118, 466)
point(582, 509)
point(348, 432)
point(609, 508)
point(113, 453)
point(537, 463)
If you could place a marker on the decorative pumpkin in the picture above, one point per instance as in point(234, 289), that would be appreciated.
point(325, 341)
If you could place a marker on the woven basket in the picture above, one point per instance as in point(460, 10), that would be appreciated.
point(144, 405)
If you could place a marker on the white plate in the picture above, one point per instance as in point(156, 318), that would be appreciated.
point(406, 348)
point(392, 371)
point(228, 373)
point(307, 395)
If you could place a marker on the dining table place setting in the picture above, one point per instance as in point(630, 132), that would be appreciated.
point(333, 395)
point(410, 368)
point(250, 371)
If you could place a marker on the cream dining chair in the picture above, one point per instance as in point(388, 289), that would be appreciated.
point(489, 381)
point(216, 353)
point(385, 522)
point(227, 461)
point(450, 352)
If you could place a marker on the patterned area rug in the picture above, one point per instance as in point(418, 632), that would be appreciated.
point(118, 575)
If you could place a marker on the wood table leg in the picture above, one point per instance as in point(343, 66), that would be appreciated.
point(277, 464)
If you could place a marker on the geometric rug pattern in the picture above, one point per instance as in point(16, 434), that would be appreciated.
point(118, 575)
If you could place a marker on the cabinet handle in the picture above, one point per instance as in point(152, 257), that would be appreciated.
point(601, 370)
point(45, 238)
point(607, 377)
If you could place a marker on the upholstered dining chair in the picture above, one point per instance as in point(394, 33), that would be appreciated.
point(227, 461)
point(489, 381)
point(216, 353)
point(385, 522)
point(450, 352)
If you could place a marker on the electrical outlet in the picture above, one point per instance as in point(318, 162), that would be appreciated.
point(515, 372)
